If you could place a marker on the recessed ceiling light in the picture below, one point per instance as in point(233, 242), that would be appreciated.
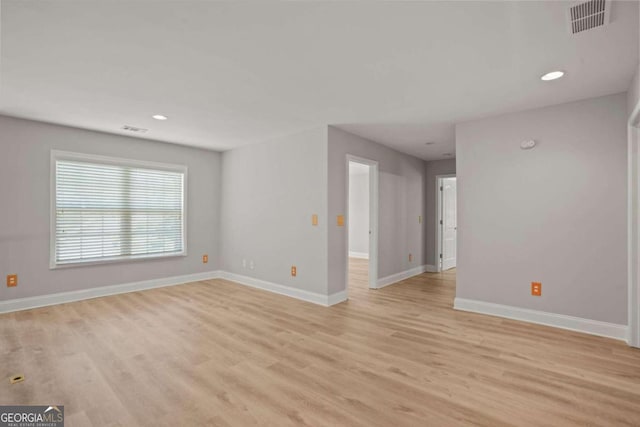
point(553, 75)
point(448, 154)
point(159, 117)
point(429, 143)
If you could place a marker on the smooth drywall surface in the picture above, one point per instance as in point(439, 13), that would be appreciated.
point(433, 169)
point(555, 214)
point(25, 148)
point(401, 203)
point(358, 209)
point(269, 193)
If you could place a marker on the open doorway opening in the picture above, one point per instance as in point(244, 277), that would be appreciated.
point(362, 220)
point(447, 225)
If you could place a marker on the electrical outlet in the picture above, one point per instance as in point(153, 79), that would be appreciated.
point(294, 271)
point(536, 289)
point(12, 280)
point(410, 257)
point(244, 263)
point(251, 265)
point(205, 258)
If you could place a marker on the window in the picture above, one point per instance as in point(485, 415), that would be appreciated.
point(107, 209)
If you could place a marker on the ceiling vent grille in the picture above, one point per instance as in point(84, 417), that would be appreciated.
point(587, 15)
point(134, 129)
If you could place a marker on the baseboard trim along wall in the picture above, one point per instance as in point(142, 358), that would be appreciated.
point(431, 269)
point(593, 327)
point(337, 298)
point(360, 255)
point(324, 300)
point(103, 291)
point(394, 278)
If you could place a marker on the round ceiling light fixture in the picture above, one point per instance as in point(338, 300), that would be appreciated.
point(159, 117)
point(429, 143)
point(552, 75)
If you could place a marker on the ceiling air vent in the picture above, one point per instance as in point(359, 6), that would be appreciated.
point(587, 15)
point(134, 129)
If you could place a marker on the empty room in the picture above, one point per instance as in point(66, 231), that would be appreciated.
point(319, 213)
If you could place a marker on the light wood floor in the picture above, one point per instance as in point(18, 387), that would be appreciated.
point(217, 353)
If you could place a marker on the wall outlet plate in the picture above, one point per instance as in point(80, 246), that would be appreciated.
point(12, 280)
point(536, 289)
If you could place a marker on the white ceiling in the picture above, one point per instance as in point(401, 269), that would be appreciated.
point(235, 73)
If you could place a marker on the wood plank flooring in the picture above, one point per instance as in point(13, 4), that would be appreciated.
point(217, 353)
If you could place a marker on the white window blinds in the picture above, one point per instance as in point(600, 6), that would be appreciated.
point(110, 210)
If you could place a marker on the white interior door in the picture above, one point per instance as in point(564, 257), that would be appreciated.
point(449, 223)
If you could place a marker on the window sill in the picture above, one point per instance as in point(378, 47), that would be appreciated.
point(118, 260)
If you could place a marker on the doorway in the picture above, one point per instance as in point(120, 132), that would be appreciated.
point(447, 224)
point(362, 221)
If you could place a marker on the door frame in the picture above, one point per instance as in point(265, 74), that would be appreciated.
point(373, 218)
point(633, 227)
point(438, 251)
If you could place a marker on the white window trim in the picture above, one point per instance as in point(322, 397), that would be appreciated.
point(67, 155)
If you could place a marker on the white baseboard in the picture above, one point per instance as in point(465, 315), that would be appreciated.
point(431, 268)
point(593, 327)
point(83, 294)
point(320, 299)
point(394, 278)
point(361, 255)
point(337, 298)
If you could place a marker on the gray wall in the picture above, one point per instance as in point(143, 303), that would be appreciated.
point(24, 216)
point(555, 214)
point(434, 168)
point(359, 213)
point(269, 193)
point(401, 201)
